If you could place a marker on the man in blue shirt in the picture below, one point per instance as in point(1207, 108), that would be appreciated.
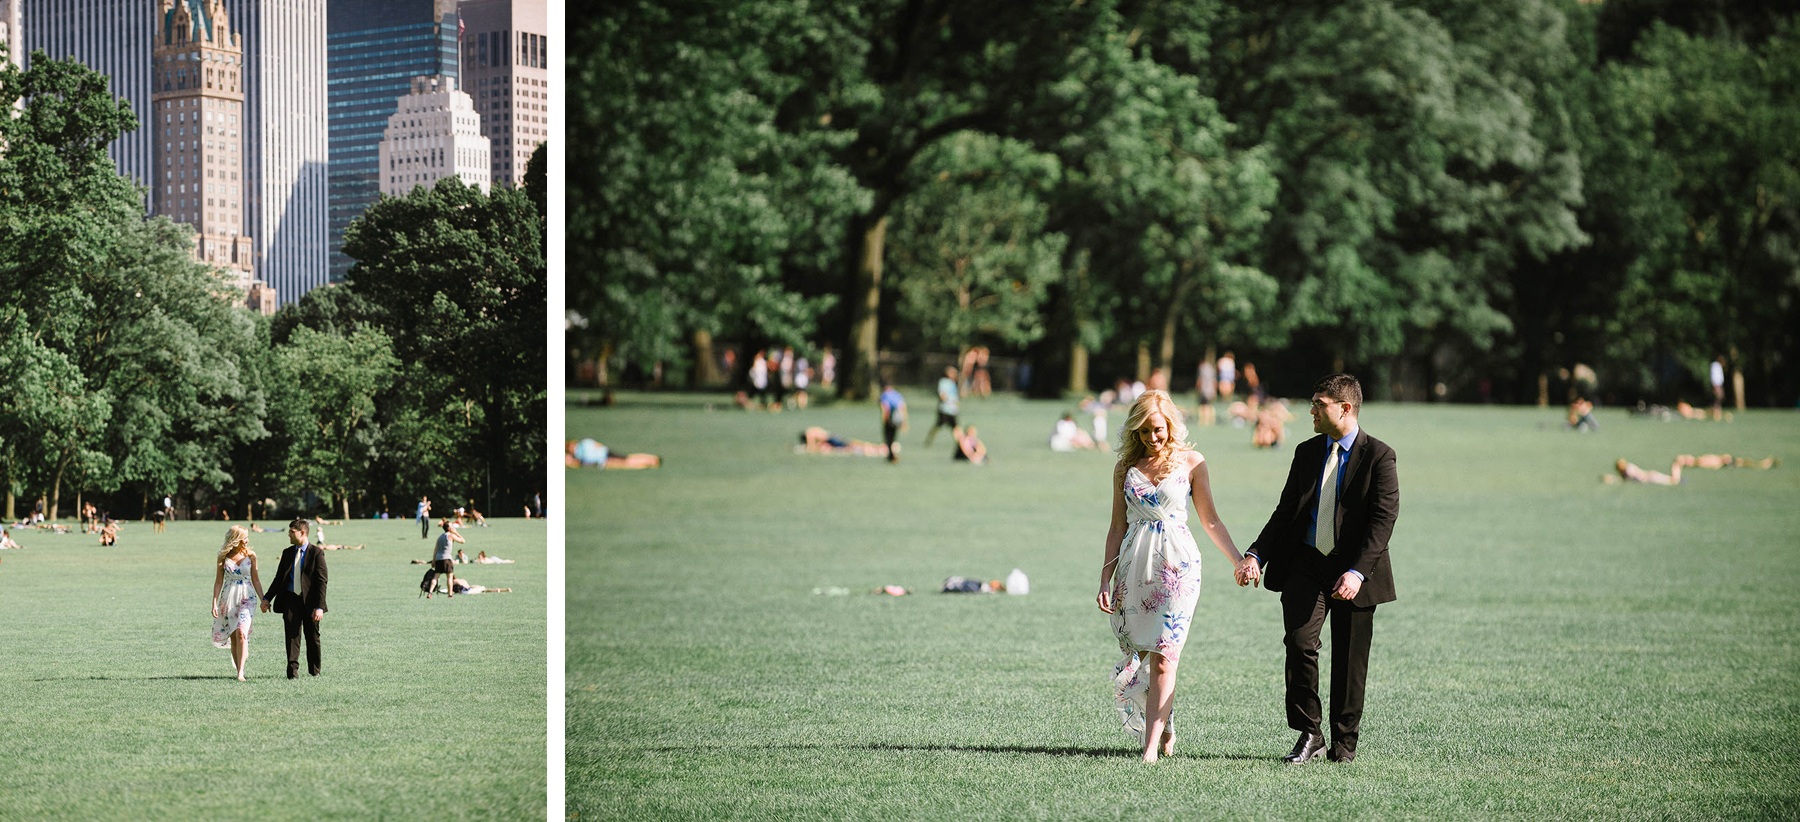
point(893, 418)
point(299, 596)
point(1326, 550)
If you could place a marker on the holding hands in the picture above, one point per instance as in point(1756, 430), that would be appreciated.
point(1248, 572)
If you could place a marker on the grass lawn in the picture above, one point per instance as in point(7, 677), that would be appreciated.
point(117, 706)
point(1560, 647)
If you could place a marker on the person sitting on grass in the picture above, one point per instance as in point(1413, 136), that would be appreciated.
point(1271, 424)
point(476, 515)
point(484, 559)
point(109, 533)
point(816, 440)
point(1067, 436)
point(1581, 415)
point(6, 540)
point(1630, 472)
point(1714, 462)
point(968, 446)
point(587, 452)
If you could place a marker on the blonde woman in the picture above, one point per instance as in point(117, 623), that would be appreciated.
point(236, 591)
point(1150, 578)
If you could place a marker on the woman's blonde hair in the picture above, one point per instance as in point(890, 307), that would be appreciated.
point(1131, 446)
point(237, 543)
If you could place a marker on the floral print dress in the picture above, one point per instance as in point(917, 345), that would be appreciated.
point(1154, 585)
point(237, 602)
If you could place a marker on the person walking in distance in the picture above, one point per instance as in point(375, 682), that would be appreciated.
point(949, 404)
point(893, 418)
point(424, 517)
point(1325, 549)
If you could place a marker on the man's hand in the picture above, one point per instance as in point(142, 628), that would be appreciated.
point(1248, 572)
point(265, 606)
point(318, 614)
point(1348, 585)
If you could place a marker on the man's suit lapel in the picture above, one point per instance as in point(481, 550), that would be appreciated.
point(1359, 451)
point(1314, 456)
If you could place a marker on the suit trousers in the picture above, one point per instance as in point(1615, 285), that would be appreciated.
point(1304, 607)
point(297, 620)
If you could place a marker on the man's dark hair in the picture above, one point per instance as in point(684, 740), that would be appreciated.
point(301, 524)
point(1343, 388)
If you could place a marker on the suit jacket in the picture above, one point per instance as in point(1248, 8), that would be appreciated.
point(313, 581)
point(1367, 507)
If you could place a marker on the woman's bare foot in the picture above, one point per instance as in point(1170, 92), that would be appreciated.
point(1168, 743)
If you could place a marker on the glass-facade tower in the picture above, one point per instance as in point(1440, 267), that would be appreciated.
point(373, 50)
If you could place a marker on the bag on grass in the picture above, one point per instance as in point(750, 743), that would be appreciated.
point(429, 583)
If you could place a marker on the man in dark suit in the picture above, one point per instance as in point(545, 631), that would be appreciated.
point(1326, 550)
point(299, 596)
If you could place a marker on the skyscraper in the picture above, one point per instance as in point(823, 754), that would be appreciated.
point(197, 122)
point(506, 68)
point(284, 141)
point(375, 48)
point(12, 30)
point(434, 134)
point(111, 37)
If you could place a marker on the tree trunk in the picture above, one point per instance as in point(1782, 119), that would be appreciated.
point(1737, 386)
point(56, 493)
point(865, 306)
point(1078, 368)
point(606, 349)
point(344, 501)
point(706, 367)
point(1184, 285)
point(1543, 399)
point(1143, 362)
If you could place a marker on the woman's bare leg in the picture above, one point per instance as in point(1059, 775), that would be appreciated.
point(1159, 696)
point(240, 650)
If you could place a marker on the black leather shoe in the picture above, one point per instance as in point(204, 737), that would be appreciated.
point(1304, 750)
point(293, 675)
point(1339, 753)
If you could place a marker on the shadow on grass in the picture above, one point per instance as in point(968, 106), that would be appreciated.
point(129, 678)
point(1040, 750)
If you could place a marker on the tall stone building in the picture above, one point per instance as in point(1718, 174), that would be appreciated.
point(12, 30)
point(434, 134)
point(506, 68)
point(285, 154)
point(197, 118)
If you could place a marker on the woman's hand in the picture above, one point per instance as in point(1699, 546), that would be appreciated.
point(216, 614)
point(1105, 600)
point(1248, 572)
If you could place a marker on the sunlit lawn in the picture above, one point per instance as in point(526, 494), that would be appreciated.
point(117, 706)
point(1560, 648)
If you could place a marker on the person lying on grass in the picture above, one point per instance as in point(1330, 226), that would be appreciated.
point(1714, 462)
point(482, 558)
point(588, 453)
point(330, 547)
point(816, 440)
point(1630, 472)
point(463, 586)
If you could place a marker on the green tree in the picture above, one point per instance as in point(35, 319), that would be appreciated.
point(459, 276)
point(328, 384)
point(970, 254)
